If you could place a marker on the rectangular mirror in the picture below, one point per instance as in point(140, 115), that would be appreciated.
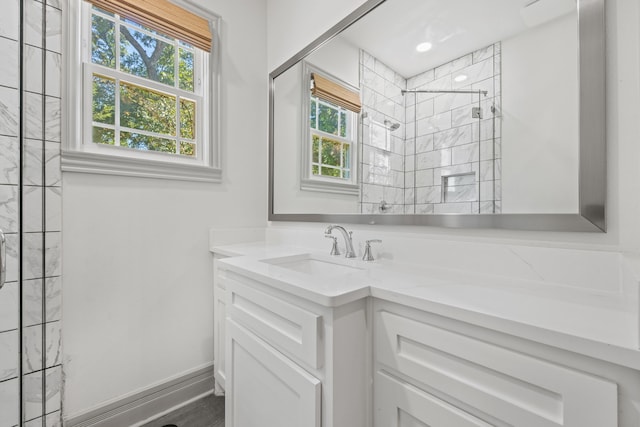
point(459, 113)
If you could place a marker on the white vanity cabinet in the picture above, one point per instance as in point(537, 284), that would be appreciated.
point(291, 362)
point(219, 315)
point(431, 371)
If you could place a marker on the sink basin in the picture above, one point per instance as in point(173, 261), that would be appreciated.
point(313, 265)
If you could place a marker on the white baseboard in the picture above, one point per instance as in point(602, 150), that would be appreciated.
point(148, 403)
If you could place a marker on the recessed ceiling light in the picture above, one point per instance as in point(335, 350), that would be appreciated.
point(423, 47)
point(460, 78)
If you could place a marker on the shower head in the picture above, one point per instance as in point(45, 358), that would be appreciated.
point(391, 126)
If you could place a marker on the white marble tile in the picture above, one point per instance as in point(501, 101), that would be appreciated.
point(424, 178)
point(32, 163)
point(397, 162)
point(450, 101)
point(409, 180)
point(31, 302)
point(53, 289)
point(367, 60)
point(33, 68)
point(433, 159)
point(53, 173)
point(9, 50)
point(9, 350)
point(53, 353)
point(36, 422)
point(421, 79)
point(54, 29)
point(32, 209)
point(53, 74)
point(497, 190)
point(482, 54)
point(54, 419)
point(475, 73)
point(32, 255)
point(486, 170)
point(9, 214)
point(32, 348)
point(486, 191)
point(10, 19)
point(9, 403)
point(9, 111)
point(9, 160)
point(462, 116)
point(462, 208)
point(53, 249)
point(13, 243)
point(372, 193)
point(392, 195)
point(33, 115)
point(429, 194)
point(487, 149)
point(53, 201)
point(32, 395)
point(486, 208)
point(423, 209)
point(424, 143)
point(33, 18)
point(465, 153)
point(409, 195)
point(434, 124)
point(9, 305)
point(425, 109)
point(52, 119)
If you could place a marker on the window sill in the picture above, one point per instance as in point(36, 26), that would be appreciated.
point(76, 161)
point(329, 187)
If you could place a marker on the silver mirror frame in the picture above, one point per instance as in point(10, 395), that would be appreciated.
point(592, 167)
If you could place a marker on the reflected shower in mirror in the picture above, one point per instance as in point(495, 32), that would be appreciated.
point(434, 107)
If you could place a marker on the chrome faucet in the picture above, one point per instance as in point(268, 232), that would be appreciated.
point(350, 253)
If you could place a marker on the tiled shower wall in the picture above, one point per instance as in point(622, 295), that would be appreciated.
point(382, 157)
point(30, 212)
point(440, 159)
point(454, 169)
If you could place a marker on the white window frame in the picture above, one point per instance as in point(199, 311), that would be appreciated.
point(309, 181)
point(80, 154)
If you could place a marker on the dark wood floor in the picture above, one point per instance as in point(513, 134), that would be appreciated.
point(206, 412)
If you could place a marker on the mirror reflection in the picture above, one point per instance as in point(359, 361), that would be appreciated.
point(432, 107)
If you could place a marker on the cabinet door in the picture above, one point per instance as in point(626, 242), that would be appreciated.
point(265, 388)
point(488, 380)
point(399, 404)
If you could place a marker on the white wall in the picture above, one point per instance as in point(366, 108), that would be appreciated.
point(540, 142)
point(290, 29)
point(138, 304)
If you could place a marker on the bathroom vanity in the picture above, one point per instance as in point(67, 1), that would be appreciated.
point(318, 340)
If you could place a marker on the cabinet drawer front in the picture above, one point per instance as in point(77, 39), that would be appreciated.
point(265, 388)
point(399, 404)
point(510, 386)
point(282, 324)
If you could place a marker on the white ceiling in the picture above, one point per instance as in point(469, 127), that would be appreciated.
point(454, 28)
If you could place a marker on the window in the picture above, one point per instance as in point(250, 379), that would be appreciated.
point(329, 161)
point(331, 140)
point(148, 99)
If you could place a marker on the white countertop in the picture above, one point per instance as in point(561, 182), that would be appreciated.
point(597, 324)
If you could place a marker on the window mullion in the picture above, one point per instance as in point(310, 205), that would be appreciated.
point(117, 41)
point(178, 131)
point(116, 139)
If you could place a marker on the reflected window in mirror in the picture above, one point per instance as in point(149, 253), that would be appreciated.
point(330, 139)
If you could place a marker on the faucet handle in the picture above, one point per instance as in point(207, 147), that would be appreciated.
point(334, 247)
point(367, 249)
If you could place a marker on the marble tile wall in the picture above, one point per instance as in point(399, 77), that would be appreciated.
point(382, 165)
point(30, 212)
point(450, 145)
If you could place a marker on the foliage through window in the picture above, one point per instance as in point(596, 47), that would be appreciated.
point(145, 88)
point(331, 140)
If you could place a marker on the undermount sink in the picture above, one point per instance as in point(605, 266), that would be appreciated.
point(313, 265)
